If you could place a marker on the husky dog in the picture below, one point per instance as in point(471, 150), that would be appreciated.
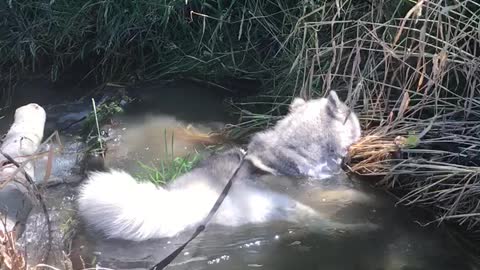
point(310, 142)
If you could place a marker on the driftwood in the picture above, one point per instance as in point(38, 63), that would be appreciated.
point(20, 143)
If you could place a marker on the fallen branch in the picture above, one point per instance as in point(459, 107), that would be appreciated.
point(21, 143)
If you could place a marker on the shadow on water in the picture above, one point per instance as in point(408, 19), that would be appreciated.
point(186, 101)
point(361, 227)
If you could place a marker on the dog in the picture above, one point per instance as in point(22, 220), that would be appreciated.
point(310, 141)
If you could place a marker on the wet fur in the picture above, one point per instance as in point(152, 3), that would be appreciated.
point(309, 141)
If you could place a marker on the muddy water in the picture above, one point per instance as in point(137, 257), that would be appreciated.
point(155, 140)
point(382, 236)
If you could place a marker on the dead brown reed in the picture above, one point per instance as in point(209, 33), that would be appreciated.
point(415, 82)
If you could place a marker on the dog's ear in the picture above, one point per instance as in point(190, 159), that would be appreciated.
point(296, 103)
point(333, 100)
point(258, 163)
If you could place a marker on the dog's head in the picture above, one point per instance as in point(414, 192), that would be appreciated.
point(326, 116)
point(310, 140)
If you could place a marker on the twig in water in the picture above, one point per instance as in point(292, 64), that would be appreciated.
point(99, 138)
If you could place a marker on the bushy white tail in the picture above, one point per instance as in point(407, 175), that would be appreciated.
point(120, 207)
point(116, 204)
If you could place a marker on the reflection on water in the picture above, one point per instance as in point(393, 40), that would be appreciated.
point(155, 139)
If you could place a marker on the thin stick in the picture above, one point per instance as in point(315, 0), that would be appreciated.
point(99, 138)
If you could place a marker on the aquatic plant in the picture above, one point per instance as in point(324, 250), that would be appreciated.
point(165, 172)
point(100, 115)
point(103, 112)
point(168, 169)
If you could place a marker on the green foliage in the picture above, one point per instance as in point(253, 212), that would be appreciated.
point(164, 172)
point(104, 112)
point(169, 167)
point(412, 140)
point(68, 225)
point(143, 38)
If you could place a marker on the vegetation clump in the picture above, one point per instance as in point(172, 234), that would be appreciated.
point(161, 174)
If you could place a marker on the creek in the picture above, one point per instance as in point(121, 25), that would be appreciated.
point(392, 238)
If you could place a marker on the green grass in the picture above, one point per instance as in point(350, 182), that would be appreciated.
point(170, 167)
point(104, 112)
point(163, 173)
point(146, 40)
point(125, 39)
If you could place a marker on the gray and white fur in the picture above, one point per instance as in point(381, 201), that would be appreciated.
point(309, 141)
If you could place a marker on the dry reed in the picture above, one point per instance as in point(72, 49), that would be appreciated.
point(415, 82)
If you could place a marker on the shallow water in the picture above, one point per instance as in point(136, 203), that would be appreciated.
point(153, 140)
point(361, 227)
point(394, 242)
